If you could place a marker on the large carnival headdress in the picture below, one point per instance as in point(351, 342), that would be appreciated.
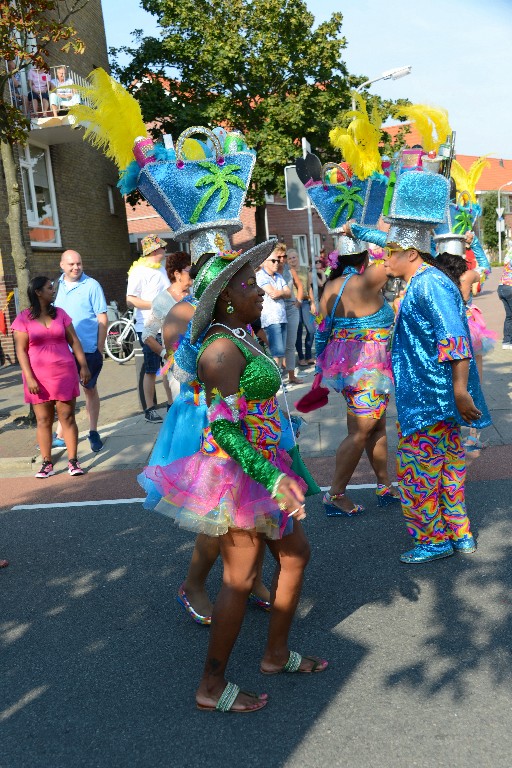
point(198, 187)
point(354, 190)
point(418, 192)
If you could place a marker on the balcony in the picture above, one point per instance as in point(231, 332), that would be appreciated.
point(45, 98)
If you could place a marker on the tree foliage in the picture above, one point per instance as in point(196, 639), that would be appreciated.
point(259, 66)
point(488, 222)
point(27, 28)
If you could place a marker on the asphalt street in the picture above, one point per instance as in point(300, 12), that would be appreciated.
point(99, 663)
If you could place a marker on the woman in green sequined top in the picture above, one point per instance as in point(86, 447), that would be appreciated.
point(239, 487)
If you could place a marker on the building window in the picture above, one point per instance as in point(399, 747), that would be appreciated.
point(110, 194)
point(317, 244)
point(300, 244)
point(39, 197)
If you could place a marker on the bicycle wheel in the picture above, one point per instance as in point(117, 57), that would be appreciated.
point(121, 340)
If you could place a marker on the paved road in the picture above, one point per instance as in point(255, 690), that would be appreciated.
point(99, 664)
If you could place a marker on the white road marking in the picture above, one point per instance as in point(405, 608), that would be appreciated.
point(101, 502)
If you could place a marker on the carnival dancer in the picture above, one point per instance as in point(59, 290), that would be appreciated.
point(180, 436)
point(239, 485)
point(437, 389)
point(353, 357)
point(451, 255)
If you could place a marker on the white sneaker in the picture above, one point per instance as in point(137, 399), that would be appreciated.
point(506, 346)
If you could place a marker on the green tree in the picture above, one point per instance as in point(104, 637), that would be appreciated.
point(489, 204)
point(258, 65)
point(27, 29)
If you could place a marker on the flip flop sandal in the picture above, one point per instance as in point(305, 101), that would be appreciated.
point(294, 662)
point(228, 698)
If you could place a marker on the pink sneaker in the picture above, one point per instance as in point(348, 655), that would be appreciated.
point(46, 470)
point(74, 468)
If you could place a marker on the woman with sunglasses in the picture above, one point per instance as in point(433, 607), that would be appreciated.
point(43, 335)
point(273, 317)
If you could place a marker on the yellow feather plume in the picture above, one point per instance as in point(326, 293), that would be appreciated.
point(359, 143)
point(114, 120)
point(466, 181)
point(432, 124)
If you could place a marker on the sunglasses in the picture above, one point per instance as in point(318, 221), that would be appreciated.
point(387, 252)
point(274, 261)
point(318, 261)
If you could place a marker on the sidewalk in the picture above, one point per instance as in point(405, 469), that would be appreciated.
point(129, 438)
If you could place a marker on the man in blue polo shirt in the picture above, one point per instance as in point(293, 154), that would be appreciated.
point(83, 299)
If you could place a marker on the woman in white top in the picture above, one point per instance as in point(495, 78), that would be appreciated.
point(273, 316)
point(288, 263)
point(177, 266)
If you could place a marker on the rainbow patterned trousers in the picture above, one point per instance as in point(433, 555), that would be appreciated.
point(431, 470)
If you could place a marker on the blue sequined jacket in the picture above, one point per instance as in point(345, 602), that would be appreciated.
point(431, 330)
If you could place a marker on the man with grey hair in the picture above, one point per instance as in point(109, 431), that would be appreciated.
point(83, 299)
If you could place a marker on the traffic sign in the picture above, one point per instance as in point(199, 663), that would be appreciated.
point(500, 225)
point(296, 195)
point(499, 211)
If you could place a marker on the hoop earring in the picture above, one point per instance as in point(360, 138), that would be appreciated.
point(230, 308)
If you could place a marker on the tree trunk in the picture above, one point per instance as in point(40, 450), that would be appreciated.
point(15, 221)
point(261, 223)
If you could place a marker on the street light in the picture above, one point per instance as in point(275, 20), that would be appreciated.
point(500, 216)
point(390, 74)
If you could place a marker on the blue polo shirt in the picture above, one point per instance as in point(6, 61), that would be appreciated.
point(83, 301)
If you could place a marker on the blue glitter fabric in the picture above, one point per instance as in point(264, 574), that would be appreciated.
point(420, 196)
point(431, 310)
point(378, 237)
point(200, 192)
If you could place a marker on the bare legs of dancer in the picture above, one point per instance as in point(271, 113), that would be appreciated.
point(241, 551)
point(364, 434)
point(206, 551)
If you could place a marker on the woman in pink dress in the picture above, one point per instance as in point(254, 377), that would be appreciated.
point(43, 335)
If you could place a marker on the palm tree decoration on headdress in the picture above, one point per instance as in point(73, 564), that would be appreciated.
point(218, 179)
point(348, 197)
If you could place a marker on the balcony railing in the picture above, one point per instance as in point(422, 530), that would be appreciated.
point(43, 95)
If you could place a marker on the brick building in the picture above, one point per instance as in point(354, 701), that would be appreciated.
point(70, 198)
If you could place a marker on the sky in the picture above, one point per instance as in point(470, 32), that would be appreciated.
point(460, 52)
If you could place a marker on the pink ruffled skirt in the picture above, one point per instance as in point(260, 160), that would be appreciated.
point(482, 338)
point(210, 494)
point(358, 363)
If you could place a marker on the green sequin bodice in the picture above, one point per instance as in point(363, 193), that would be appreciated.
point(260, 379)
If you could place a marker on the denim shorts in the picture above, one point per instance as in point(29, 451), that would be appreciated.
point(276, 334)
point(152, 361)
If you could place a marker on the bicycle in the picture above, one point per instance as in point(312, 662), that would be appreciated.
point(121, 340)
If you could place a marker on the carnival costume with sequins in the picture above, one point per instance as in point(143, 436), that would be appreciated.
point(482, 338)
point(353, 356)
point(431, 330)
point(180, 434)
point(228, 482)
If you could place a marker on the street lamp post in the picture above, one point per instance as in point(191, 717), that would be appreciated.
point(390, 74)
point(499, 211)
